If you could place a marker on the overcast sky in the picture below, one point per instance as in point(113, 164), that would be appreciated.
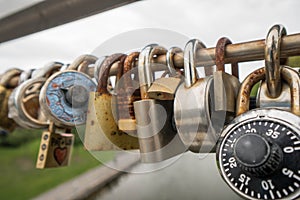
point(207, 20)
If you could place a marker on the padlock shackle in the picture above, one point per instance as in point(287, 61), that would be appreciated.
point(220, 57)
point(293, 79)
point(190, 70)
point(82, 62)
point(272, 60)
point(47, 70)
point(170, 60)
point(288, 74)
point(105, 68)
point(243, 99)
point(144, 67)
point(98, 65)
point(128, 65)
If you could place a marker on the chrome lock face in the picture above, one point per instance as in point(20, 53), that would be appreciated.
point(192, 105)
point(65, 97)
point(258, 154)
point(157, 135)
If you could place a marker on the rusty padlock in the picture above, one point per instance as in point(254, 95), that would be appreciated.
point(226, 86)
point(102, 132)
point(55, 148)
point(6, 88)
point(128, 92)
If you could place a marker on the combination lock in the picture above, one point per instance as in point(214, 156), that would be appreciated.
point(259, 154)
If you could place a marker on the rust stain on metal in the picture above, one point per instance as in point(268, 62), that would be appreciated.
point(243, 99)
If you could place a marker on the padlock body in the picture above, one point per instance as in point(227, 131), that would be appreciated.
point(102, 133)
point(197, 125)
point(283, 101)
point(164, 88)
point(156, 130)
point(55, 150)
point(226, 88)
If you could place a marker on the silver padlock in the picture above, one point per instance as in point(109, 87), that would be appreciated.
point(64, 96)
point(194, 119)
point(155, 127)
point(23, 103)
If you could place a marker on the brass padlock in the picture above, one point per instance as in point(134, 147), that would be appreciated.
point(154, 118)
point(6, 87)
point(55, 148)
point(128, 92)
point(226, 86)
point(164, 88)
point(102, 132)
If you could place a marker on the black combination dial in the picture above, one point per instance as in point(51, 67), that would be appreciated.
point(259, 157)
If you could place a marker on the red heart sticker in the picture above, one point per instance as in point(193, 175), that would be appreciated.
point(60, 154)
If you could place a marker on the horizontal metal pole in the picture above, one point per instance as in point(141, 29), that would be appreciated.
point(48, 14)
point(240, 52)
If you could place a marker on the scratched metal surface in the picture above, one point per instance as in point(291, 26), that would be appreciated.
point(57, 102)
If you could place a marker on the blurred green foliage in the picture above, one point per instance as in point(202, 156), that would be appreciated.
point(23, 136)
point(19, 177)
point(294, 61)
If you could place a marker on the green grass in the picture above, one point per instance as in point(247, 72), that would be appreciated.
point(19, 177)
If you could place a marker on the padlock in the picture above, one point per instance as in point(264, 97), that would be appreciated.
point(226, 86)
point(164, 88)
point(258, 153)
point(7, 124)
point(102, 132)
point(64, 96)
point(154, 118)
point(24, 106)
point(55, 148)
point(196, 123)
point(128, 92)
